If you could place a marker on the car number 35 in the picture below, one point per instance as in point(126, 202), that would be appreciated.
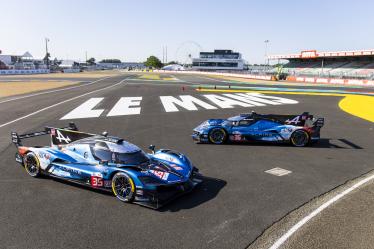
point(96, 181)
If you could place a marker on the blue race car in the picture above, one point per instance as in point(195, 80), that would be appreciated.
point(299, 130)
point(111, 164)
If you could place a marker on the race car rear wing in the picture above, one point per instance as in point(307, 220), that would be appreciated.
point(17, 139)
point(319, 122)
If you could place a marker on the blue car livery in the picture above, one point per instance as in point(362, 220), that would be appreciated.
point(111, 164)
point(299, 130)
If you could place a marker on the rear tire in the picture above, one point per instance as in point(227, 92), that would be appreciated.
point(300, 138)
point(217, 136)
point(32, 164)
point(123, 187)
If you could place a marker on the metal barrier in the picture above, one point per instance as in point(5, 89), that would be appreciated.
point(32, 71)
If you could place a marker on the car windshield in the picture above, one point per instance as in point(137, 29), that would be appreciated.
point(134, 158)
point(228, 123)
point(102, 154)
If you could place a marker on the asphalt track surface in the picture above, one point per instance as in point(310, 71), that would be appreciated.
point(234, 205)
point(348, 224)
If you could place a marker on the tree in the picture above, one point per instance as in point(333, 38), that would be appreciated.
point(110, 61)
point(46, 57)
point(55, 62)
point(153, 61)
point(91, 61)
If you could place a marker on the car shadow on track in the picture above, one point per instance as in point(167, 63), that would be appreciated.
point(340, 143)
point(206, 191)
point(77, 185)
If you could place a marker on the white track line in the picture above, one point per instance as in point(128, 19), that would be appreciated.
point(325, 205)
point(57, 104)
point(57, 90)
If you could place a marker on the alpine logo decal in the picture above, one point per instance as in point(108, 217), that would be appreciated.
point(61, 137)
point(295, 120)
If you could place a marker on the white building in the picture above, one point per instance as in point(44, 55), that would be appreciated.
point(22, 62)
point(218, 60)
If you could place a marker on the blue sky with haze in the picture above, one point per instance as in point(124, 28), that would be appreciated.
point(133, 30)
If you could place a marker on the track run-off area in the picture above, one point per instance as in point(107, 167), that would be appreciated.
point(235, 204)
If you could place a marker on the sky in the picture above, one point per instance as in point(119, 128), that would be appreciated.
point(134, 30)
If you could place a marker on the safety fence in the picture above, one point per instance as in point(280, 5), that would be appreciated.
point(318, 80)
point(31, 71)
point(237, 75)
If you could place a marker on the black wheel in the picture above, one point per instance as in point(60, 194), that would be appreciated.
point(300, 138)
point(32, 164)
point(123, 187)
point(217, 136)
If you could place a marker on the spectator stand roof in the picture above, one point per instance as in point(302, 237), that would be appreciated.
point(314, 54)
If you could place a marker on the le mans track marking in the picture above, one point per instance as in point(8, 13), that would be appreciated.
point(57, 104)
point(56, 90)
point(310, 216)
point(355, 104)
point(132, 105)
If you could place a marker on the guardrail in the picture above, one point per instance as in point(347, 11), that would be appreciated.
point(31, 71)
point(354, 82)
point(237, 75)
point(71, 70)
point(319, 80)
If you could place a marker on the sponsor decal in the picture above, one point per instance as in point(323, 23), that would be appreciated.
point(19, 158)
point(309, 54)
point(262, 134)
point(176, 167)
point(74, 171)
point(286, 130)
point(61, 173)
point(160, 174)
point(107, 183)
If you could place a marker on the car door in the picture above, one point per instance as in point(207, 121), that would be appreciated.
point(265, 130)
point(243, 130)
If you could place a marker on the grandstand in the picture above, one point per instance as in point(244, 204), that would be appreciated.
point(339, 65)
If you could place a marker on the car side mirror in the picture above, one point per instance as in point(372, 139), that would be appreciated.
point(152, 148)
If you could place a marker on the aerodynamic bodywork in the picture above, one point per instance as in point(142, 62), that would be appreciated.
point(109, 163)
point(299, 130)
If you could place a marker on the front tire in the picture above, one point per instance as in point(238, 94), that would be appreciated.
point(217, 136)
point(123, 187)
point(300, 138)
point(32, 164)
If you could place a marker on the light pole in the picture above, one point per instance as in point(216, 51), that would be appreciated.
point(266, 52)
point(163, 54)
point(46, 52)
